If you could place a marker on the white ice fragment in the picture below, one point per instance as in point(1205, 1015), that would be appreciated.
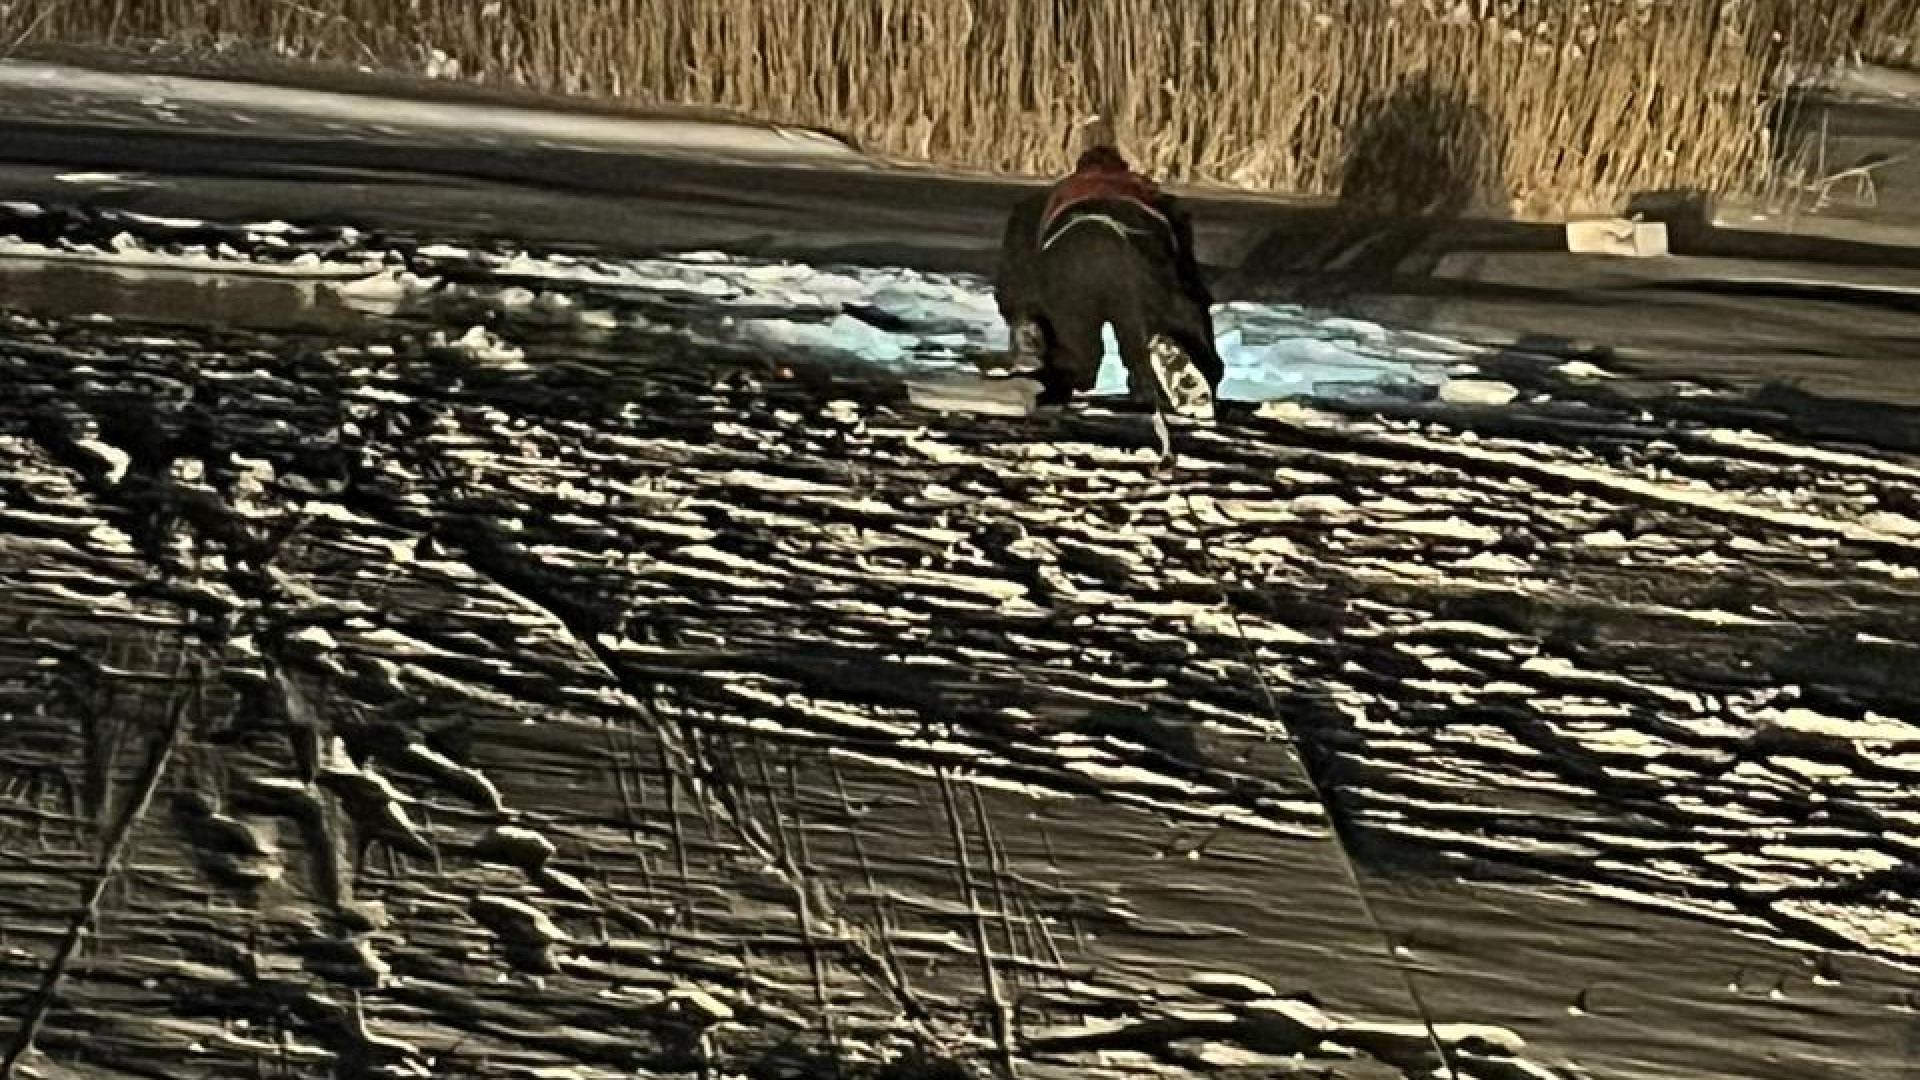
point(483, 345)
point(387, 285)
point(1581, 369)
point(1889, 522)
point(1495, 563)
point(1226, 985)
point(1478, 392)
point(117, 459)
point(97, 178)
point(315, 635)
point(110, 537)
point(1299, 415)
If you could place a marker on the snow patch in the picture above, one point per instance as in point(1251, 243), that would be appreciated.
point(1525, 458)
point(126, 251)
point(1871, 728)
point(1750, 440)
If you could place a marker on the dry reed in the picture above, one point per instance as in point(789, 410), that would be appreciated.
point(1536, 106)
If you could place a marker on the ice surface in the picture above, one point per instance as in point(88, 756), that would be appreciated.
point(1279, 351)
point(918, 323)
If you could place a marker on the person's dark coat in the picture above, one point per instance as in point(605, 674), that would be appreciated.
point(1104, 246)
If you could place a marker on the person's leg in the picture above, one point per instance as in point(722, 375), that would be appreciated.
point(1190, 324)
point(1161, 372)
point(1078, 286)
point(1018, 290)
point(1177, 350)
point(1184, 388)
point(1171, 361)
point(1027, 344)
point(1131, 332)
point(1073, 355)
point(1163, 369)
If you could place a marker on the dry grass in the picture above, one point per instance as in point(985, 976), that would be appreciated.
point(1886, 31)
point(1530, 106)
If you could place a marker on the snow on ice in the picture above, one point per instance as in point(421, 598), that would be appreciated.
point(930, 323)
point(378, 114)
point(910, 322)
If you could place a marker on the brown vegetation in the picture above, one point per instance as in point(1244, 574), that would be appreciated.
point(1552, 105)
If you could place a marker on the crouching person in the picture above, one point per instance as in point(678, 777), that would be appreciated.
point(1105, 246)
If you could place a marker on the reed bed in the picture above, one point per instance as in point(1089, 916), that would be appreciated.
point(1532, 107)
point(1886, 32)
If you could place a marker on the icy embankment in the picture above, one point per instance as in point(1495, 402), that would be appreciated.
point(900, 319)
point(469, 121)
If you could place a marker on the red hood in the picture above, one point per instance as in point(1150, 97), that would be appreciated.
point(1102, 180)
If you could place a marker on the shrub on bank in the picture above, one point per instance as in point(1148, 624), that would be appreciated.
point(1529, 106)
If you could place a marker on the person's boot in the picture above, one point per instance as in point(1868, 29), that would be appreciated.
point(1028, 350)
point(1183, 387)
